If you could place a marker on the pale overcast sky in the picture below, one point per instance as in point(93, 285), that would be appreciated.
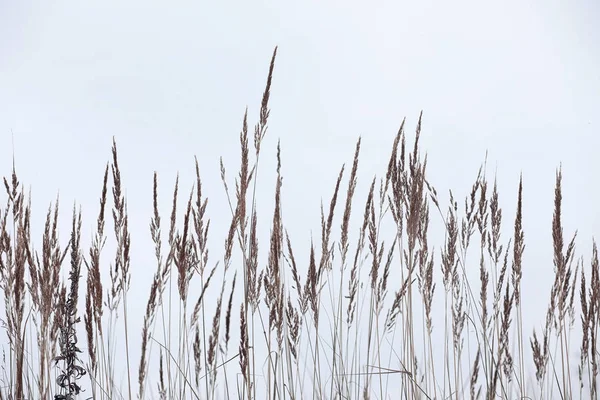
point(170, 81)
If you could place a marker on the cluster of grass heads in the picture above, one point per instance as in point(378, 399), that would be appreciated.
point(376, 314)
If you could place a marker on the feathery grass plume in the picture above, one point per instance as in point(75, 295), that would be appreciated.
point(199, 303)
point(589, 322)
point(481, 214)
point(94, 292)
point(415, 193)
point(475, 216)
point(273, 282)
point(344, 243)
point(354, 272)
point(44, 290)
point(517, 274)
point(311, 287)
point(393, 175)
point(244, 356)
point(325, 263)
point(559, 300)
point(121, 277)
point(501, 319)
point(195, 321)
point(593, 319)
point(164, 272)
point(375, 249)
point(425, 275)
point(499, 285)
point(294, 325)
point(172, 230)
point(228, 313)
point(224, 351)
point(148, 319)
point(212, 345)
point(540, 355)
point(201, 226)
point(183, 258)
point(201, 253)
point(14, 277)
point(506, 356)
point(494, 246)
point(338, 361)
point(449, 253)
point(94, 283)
point(585, 326)
point(197, 351)
point(252, 282)
point(291, 260)
point(156, 289)
point(475, 393)
point(312, 292)
point(273, 279)
point(427, 289)
point(260, 129)
point(408, 204)
point(449, 277)
point(563, 281)
point(186, 262)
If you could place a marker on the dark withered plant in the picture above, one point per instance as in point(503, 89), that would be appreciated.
point(71, 372)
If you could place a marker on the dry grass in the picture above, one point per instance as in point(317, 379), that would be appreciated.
point(380, 313)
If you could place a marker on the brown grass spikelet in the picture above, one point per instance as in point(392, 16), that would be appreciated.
point(500, 282)
point(505, 355)
point(540, 355)
point(348, 207)
point(354, 278)
point(294, 323)
point(295, 275)
point(44, 290)
point(121, 276)
point(214, 335)
point(148, 319)
point(311, 287)
point(449, 253)
point(244, 349)
point(184, 258)
point(13, 271)
point(243, 181)
point(261, 128)
point(273, 279)
point(325, 262)
point(474, 376)
point(494, 246)
point(162, 390)
point(94, 292)
point(391, 176)
point(198, 305)
point(557, 232)
point(484, 279)
point(519, 246)
point(253, 277)
point(228, 312)
point(197, 352)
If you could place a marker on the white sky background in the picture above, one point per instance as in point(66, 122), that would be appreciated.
point(170, 81)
